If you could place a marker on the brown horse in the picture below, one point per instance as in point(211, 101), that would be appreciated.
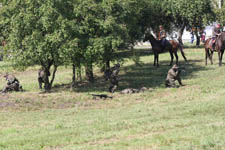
point(219, 47)
point(157, 47)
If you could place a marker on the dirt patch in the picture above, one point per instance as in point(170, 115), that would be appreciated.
point(6, 104)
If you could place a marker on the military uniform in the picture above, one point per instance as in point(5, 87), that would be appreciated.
point(162, 36)
point(172, 76)
point(111, 75)
point(42, 77)
point(12, 84)
point(215, 32)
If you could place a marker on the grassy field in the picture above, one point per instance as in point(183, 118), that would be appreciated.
point(191, 117)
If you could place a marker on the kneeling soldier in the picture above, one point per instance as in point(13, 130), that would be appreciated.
point(12, 84)
point(173, 75)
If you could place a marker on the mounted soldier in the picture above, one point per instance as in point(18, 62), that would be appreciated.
point(215, 32)
point(162, 36)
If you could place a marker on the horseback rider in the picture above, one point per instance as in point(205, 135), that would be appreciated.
point(162, 35)
point(216, 31)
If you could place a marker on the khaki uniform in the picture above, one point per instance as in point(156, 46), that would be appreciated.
point(111, 75)
point(172, 76)
point(12, 84)
point(42, 76)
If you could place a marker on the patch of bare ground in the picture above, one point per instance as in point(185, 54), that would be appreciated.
point(57, 147)
point(128, 138)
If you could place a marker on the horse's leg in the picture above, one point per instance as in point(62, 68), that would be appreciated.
point(182, 53)
point(157, 59)
point(171, 56)
point(176, 57)
point(206, 55)
point(219, 56)
point(211, 56)
point(154, 58)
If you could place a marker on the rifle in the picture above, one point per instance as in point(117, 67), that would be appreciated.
point(181, 69)
point(104, 96)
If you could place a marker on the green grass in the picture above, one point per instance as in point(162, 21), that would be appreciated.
point(186, 118)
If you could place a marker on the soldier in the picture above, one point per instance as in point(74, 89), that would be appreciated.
point(12, 84)
point(172, 76)
point(111, 75)
point(131, 90)
point(162, 35)
point(42, 77)
point(215, 32)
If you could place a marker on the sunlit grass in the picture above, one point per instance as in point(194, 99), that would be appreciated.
point(186, 118)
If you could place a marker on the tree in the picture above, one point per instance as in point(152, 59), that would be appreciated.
point(36, 31)
point(220, 14)
point(104, 28)
point(189, 13)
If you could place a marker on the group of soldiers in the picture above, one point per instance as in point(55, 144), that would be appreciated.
point(110, 74)
point(172, 76)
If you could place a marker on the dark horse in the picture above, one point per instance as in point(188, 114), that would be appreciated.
point(157, 47)
point(219, 47)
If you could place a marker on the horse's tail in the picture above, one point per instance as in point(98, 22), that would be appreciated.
point(181, 47)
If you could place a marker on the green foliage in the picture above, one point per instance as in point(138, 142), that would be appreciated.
point(185, 118)
point(154, 14)
point(220, 14)
point(195, 13)
point(37, 31)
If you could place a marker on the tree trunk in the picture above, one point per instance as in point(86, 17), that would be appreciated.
point(107, 64)
point(53, 75)
point(89, 72)
point(197, 39)
point(180, 34)
point(79, 71)
point(74, 75)
point(47, 85)
point(46, 67)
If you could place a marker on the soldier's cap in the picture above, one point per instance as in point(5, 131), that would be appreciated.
point(175, 66)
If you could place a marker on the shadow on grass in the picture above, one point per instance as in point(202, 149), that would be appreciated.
point(136, 76)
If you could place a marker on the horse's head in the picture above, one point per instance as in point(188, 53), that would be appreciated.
point(148, 37)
